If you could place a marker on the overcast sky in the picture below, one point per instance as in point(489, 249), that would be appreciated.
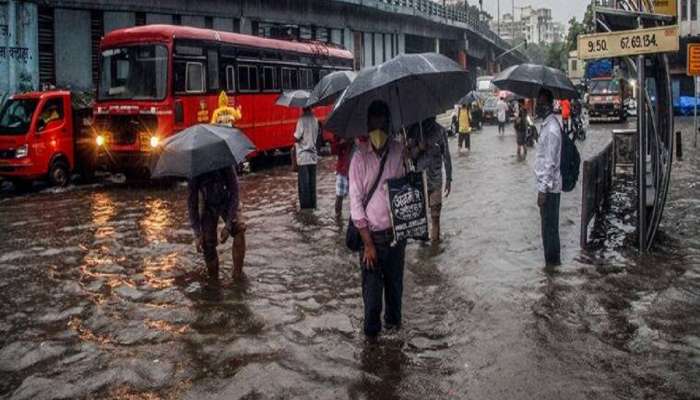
point(562, 10)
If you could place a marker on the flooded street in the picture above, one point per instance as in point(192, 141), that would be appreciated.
point(101, 296)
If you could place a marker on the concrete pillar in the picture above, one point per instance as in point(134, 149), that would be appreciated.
point(246, 26)
point(378, 48)
point(349, 43)
point(402, 43)
point(12, 42)
point(193, 20)
point(223, 24)
point(118, 20)
point(437, 45)
point(158, 19)
point(72, 48)
point(367, 39)
point(336, 35)
point(387, 45)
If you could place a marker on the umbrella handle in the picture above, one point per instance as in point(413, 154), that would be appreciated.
point(408, 161)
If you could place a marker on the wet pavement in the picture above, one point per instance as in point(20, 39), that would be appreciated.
point(101, 296)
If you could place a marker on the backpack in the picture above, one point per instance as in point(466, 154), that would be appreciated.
point(569, 164)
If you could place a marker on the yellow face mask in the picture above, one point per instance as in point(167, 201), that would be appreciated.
point(378, 138)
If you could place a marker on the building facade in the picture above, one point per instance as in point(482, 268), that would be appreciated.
point(689, 24)
point(533, 24)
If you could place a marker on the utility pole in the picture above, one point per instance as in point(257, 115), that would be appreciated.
point(512, 20)
point(498, 19)
point(641, 145)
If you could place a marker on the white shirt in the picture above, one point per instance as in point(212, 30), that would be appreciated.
point(306, 134)
point(548, 158)
point(502, 108)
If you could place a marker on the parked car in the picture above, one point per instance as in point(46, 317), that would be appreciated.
point(490, 111)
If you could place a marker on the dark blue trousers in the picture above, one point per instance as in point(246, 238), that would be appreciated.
point(385, 280)
point(549, 214)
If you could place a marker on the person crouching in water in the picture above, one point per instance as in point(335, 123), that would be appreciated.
point(464, 123)
point(212, 196)
point(429, 149)
point(382, 261)
point(305, 135)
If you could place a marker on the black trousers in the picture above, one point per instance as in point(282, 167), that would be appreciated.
point(385, 280)
point(549, 214)
point(307, 186)
point(464, 140)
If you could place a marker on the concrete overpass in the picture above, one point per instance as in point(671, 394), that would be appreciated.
point(55, 41)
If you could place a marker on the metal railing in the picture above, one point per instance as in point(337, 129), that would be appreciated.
point(455, 15)
point(597, 177)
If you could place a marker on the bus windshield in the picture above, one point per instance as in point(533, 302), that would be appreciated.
point(483, 86)
point(16, 116)
point(605, 87)
point(134, 72)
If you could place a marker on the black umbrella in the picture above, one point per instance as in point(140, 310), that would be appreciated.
point(330, 87)
point(415, 87)
point(527, 80)
point(200, 149)
point(469, 98)
point(293, 98)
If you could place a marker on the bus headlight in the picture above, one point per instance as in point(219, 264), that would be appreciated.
point(154, 141)
point(100, 140)
point(22, 151)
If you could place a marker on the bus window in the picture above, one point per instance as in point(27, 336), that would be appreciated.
point(269, 79)
point(306, 79)
point(230, 79)
point(290, 79)
point(247, 78)
point(194, 77)
point(213, 69)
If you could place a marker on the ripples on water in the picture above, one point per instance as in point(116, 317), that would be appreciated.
point(102, 297)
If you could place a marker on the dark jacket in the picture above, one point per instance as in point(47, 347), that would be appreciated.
point(219, 193)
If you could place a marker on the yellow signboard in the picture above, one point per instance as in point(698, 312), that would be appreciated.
point(628, 43)
point(694, 59)
point(666, 7)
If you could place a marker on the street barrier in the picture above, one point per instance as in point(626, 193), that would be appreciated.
point(597, 174)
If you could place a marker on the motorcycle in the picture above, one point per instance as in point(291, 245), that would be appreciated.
point(577, 130)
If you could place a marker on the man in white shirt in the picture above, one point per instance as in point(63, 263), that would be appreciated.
point(305, 136)
point(548, 174)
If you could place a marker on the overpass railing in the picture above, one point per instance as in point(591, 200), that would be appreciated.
point(469, 16)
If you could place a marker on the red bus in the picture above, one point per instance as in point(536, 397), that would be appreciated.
point(156, 80)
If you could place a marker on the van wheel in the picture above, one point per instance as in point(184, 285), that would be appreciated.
point(58, 174)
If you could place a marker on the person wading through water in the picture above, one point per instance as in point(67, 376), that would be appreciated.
point(382, 263)
point(548, 174)
point(429, 149)
point(228, 116)
point(342, 148)
point(464, 127)
point(306, 135)
point(520, 125)
point(212, 196)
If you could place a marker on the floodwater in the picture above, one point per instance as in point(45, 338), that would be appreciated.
point(101, 293)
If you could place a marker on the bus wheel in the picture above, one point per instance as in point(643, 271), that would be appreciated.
point(58, 174)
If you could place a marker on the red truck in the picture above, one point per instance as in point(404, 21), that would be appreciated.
point(43, 135)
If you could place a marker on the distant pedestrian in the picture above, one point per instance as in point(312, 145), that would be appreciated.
point(342, 148)
point(212, 196)
point(502, 111)
point(428, 147)
point(306, 135)
point(382, 261)
point(566, 114)
point(548, 173)
point(464, 128)
point(520, 124)
point(476, 115)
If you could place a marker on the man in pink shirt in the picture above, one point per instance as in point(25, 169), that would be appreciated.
point(382, 264)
